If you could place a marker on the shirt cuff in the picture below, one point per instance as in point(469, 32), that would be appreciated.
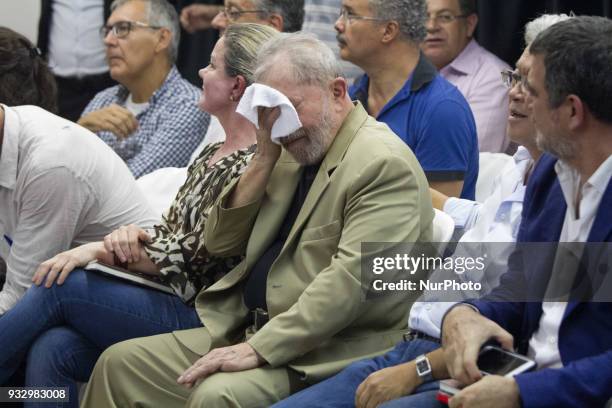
point(462, 211)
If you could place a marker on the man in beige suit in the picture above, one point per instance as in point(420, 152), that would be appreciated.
point(293, 312)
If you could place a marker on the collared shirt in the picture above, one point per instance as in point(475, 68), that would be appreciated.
point(544, 344)
point(477, 74)
point(169, 130)
point(487, 227)
point(319, 19)
point(75, 45)
point(432, 117)
point(60, 186)
point(508, 191)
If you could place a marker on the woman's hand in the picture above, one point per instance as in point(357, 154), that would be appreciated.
point(59, 267)
point(126, 242)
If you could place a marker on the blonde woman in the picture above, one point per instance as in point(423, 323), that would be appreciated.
point(73, 315)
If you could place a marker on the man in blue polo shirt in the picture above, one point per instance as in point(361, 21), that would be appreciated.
point(404, 90)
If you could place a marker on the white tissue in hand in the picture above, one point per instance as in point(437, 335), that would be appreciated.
point(258, 95)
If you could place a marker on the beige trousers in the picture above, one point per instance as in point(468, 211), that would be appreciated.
point(142, 373)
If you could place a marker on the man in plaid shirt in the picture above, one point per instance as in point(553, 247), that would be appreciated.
point(151, 118)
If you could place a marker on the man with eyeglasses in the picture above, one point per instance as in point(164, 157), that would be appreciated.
point(283, 15)
point(151, 119)
point(403, 89)
point(451, 46)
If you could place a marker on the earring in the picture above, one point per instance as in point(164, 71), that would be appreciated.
point(232, 98)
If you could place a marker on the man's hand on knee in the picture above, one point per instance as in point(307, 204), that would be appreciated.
point(387, 384)
point(239, 357)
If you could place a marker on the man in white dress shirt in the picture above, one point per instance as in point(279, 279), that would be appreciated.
point(568, 96)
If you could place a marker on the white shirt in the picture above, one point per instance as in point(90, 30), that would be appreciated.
point(60, 186)
point(75, 45)
point(467, 214)
point(488, 226)
point(135, 108)
point(544, 345)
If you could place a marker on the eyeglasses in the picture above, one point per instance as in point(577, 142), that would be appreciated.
point(512, 78)
point(122, 28)
point(348, 16)
point(234, 14)
point(445, 18)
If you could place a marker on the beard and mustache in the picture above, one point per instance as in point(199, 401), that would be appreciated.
point(314, 143)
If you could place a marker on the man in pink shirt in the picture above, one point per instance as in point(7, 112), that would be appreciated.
point(475, 71)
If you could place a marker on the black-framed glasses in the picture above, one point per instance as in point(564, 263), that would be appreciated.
point(233, 14)
point(122, 28)
point(512, 78)
point(348, 16)
point(445, 18)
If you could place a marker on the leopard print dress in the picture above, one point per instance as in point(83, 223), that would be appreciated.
point(178, 247)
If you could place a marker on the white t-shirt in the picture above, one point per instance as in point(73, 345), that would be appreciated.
point(135, 108)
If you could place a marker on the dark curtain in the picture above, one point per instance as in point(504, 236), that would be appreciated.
point(501, 25)
point(195, 49)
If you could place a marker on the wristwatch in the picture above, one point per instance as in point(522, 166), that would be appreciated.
point(423, 368)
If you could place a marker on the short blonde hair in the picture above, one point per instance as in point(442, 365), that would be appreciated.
point(243, 42)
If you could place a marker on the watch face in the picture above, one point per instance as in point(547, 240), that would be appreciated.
point(422, 367)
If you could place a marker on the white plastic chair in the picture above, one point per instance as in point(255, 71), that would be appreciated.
point(443, 229)
point(489, 167)
point(160, 187)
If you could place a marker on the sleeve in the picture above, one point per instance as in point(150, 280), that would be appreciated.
point(426, 317)
point(582, 383)
point(446, 140)
point(228, 230)
point(52, 207)
point(384, 186)
point(464, 212)
point(180, 131)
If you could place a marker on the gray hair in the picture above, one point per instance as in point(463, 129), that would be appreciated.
point(242, 44)
point(291, 10)
point(411, 15)
point(577, 56)
point(310, 60)
point(160, 13)
point(535, 27)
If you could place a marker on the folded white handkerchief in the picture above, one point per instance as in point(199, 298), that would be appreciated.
point(258, 95)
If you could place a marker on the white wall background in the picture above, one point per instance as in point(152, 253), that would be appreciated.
point(21, 16)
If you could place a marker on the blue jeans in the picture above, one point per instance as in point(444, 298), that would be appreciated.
point(339, 390)
point(62, 330)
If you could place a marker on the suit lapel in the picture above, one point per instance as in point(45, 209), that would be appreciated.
point(602, 226)
point(353, 122)
point(601, 231)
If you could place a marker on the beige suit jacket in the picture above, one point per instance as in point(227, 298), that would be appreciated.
point(369, 188)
